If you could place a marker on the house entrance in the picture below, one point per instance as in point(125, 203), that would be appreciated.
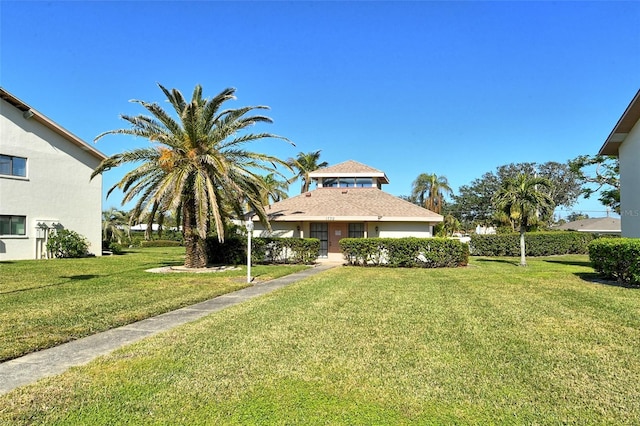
point(321, 232)
point(337, 231)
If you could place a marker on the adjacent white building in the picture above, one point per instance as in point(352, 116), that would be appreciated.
point(44, 182)
point(624, 142)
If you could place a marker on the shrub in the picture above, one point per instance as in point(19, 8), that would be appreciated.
point(159, 243)
point(616, 259)
point(115, 248)
point(405, 252)
point(65, 243)
point(263, 250)
point(536, 244)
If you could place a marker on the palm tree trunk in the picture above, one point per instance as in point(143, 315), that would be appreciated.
point(196, 255)
point(523, 260)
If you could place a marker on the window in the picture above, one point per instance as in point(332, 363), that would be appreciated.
point(346, 182)
point(13, 225)
point(330, 183)
point(364, 182)
point(356, 230)
point(13, 166)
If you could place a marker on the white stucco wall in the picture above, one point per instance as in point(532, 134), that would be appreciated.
point(629, 154)
point(56, 187)
point(400, 230)
point(278, 229)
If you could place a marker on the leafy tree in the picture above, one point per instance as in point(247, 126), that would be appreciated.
point(115, 225)
point(305, 163)
point(576, 216)
point(65, 243)
point(600, 171)
point(429, 190)
point(273, 189)
point(524, 199)
point(198, 164)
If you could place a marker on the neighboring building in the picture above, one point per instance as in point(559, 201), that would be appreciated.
point(624, 142)
point(44, 182)
point(348, 202)
point(596, 225)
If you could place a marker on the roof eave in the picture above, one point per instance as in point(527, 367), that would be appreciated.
point(622, 128)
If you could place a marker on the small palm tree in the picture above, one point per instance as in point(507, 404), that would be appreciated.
point(115, 225)
point(198, 165)
point(524, 203)
point(305, 163)
point(274, 190)
point(430, 190)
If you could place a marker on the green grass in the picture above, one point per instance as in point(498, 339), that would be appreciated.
point(47, 302)
point(493, 343)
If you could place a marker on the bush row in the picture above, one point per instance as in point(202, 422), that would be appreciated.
point(616, 259)
point(536, 244)
point(405, 252)
point(263, 250)
point(159, 243)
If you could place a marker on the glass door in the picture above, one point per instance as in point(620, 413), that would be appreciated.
point(321, 232)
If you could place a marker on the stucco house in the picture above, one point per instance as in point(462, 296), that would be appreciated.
point(347, 202)
point(44, 182)
point(624, 142)
point(594, 225)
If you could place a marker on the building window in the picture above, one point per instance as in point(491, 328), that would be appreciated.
point(364, 182)
point(356, 230)
point(330, 183)
point(13, 166)
point(13, 225)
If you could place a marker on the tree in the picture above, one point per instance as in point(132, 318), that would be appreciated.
point(430, 190)
point(305, 163)
point(198, 164)
point(524, 199)
point(115, 224)
point(602, 172)
point(273, 189)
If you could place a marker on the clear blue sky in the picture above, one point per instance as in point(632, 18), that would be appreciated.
point(453, 88)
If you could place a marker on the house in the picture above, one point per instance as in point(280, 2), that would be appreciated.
point(348, 202)
point(624, 142)
point(44, 182)
point(595, 225)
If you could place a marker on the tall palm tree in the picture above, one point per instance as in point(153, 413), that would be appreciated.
point(522, 199)
point(274, 189)
point(305, 163)
point(197, 166)
point(430, 190)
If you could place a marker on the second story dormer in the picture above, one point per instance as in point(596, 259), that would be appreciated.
point(349, 174)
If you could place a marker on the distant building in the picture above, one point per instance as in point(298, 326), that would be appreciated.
point(624, 143)
point(348, 202)
point(44, 182)
point(596, 225)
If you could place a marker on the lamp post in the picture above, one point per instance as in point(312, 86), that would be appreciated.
point(249, 226)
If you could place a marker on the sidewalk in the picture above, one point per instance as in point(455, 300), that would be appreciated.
point(32, 367)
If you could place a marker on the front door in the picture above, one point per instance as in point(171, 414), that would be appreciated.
point(321, 232)
point(337, 231)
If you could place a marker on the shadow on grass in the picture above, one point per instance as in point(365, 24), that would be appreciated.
point(594, 278)
point(80, 277)
point(70, 278)
point(6, 262)
point(571, 262)
point(514, 262)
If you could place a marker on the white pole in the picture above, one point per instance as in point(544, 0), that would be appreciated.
point(249, 226)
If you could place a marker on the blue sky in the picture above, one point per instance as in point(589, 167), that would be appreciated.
point(453, 88)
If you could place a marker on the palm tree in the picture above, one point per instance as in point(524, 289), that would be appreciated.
point(430, 190)
point(524, 203)
point(305, 163)
point(198, 165)
point(115, 223)
point(273, 189)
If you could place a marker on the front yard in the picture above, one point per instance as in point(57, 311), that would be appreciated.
point(47, 302)
point(489, 344)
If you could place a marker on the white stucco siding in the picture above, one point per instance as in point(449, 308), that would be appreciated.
point(278, 229)
point(400, 229)
point(629, 154)
point(56, 188)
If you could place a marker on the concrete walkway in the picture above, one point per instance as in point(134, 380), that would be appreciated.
point(32, 367)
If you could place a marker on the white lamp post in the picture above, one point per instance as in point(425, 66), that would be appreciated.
point(249, 226)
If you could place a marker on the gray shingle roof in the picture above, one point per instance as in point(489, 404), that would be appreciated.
point(596, 224)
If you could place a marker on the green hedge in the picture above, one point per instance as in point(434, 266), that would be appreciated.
point(405, 252)
point(159, 243)
point(616, 259)
point(263, 250)
point(536, 244)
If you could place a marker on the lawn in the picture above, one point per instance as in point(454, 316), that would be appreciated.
point(47, 302)
point(492, 343)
